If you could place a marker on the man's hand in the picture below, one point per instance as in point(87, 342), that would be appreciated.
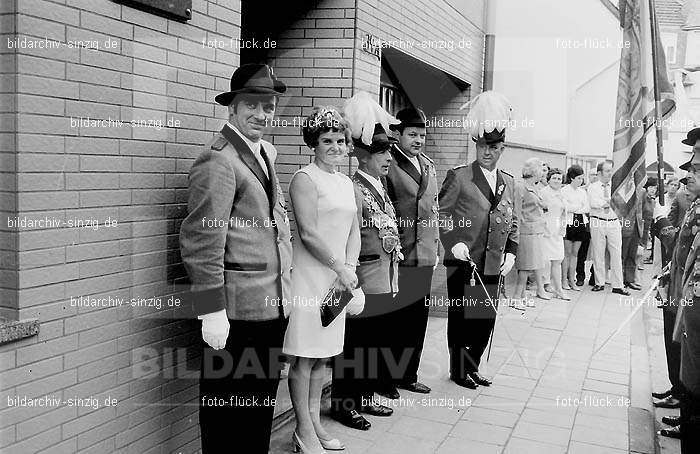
point(508, 262)
point(437, 262)
point(215, 328)
point(461, 252)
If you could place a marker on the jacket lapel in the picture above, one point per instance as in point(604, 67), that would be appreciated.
point(247, 156)
point(499, 192)
point(405, 165)
point(378, 197)
point(272, 193)
point(425, 176)
point(481, 183)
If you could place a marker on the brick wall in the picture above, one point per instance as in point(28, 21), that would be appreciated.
point(314, 57)
point(157, 70)
point(8, 159)
point(430, 32)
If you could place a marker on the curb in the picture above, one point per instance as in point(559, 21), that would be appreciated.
point(641, 412)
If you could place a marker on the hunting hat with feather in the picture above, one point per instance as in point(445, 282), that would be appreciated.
point(488, 117)
point(369, 123)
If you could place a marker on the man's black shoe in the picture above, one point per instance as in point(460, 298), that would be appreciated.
point(351, 418)
point(668, 402)
point(416, 387)
point(598, 288)
point(465, 382)
point(480, 379)
point(621, 291)
point(389, 391)
point(671, 420)
point(377, 410)
point(579, 282)
point(633, 285)
point(662, 395)
point(673, 432)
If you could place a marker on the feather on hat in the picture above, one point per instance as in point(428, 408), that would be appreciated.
point(489, 112)
point(363, 113)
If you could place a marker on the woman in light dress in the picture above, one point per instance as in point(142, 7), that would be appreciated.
point(555, 228)
point(577, 209)
point(325, 256)
point(530, 257)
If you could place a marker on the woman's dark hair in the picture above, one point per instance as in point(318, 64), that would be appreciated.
point(322, 120)
point(651, 181)
point(554, 171)
point(573, 171)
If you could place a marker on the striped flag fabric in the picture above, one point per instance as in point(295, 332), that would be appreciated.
point(635, 107)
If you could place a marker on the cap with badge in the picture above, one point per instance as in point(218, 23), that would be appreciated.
point(692, 139)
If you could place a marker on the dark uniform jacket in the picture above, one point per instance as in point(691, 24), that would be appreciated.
point(685, 288)
point(415, 199)
point(380, 245)
point(470, 213)
point(235, 241)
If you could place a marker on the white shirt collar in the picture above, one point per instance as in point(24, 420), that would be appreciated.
point(373, 181)
point(489, 173)
point(254, 146)
point(413, 159)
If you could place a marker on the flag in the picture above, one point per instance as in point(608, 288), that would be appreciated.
point(634, 116)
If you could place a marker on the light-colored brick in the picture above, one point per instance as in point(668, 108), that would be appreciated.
point(46, 349)
point(101, 23)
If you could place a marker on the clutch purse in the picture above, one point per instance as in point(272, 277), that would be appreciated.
point(333, 304)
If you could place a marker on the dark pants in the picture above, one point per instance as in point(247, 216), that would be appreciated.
point(362, 368)
point(581, 259)
point(630, 243)
point(690, 424)
point(238, 386)
point(673, 352)
point(470, 319)
point(412, 303)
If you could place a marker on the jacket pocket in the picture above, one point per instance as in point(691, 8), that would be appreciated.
point(235, 266)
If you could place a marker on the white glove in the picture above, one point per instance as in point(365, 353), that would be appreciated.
point(461, 252)
point(215, 328)
point(508, 262)
point(357, 303)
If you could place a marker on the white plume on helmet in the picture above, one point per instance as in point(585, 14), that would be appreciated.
point(362, 113)
point(487, 111)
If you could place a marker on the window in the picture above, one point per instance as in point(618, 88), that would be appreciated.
point(670, 43)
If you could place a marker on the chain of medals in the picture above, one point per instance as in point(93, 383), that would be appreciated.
point(385, 222)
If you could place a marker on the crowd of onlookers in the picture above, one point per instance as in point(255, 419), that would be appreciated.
point(567, 220)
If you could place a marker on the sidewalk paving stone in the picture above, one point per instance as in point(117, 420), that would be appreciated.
point(555, 390)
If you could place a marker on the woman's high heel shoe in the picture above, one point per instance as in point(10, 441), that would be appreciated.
point(332, 445)
point(299, 446)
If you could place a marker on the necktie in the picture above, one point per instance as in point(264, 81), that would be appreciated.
point(265, 161)
point(606, 191)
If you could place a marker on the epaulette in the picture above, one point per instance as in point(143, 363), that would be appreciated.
point(459, 166)
point(219, 144)
point(507, 173)
point(427, 157)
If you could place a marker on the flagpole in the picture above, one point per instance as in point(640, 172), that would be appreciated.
point(657, 105)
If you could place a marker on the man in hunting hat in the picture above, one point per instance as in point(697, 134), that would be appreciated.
point(413, 189)
point(236, 246)
point(479, 231)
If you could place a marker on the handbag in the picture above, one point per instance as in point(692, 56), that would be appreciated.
point(333, 304)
